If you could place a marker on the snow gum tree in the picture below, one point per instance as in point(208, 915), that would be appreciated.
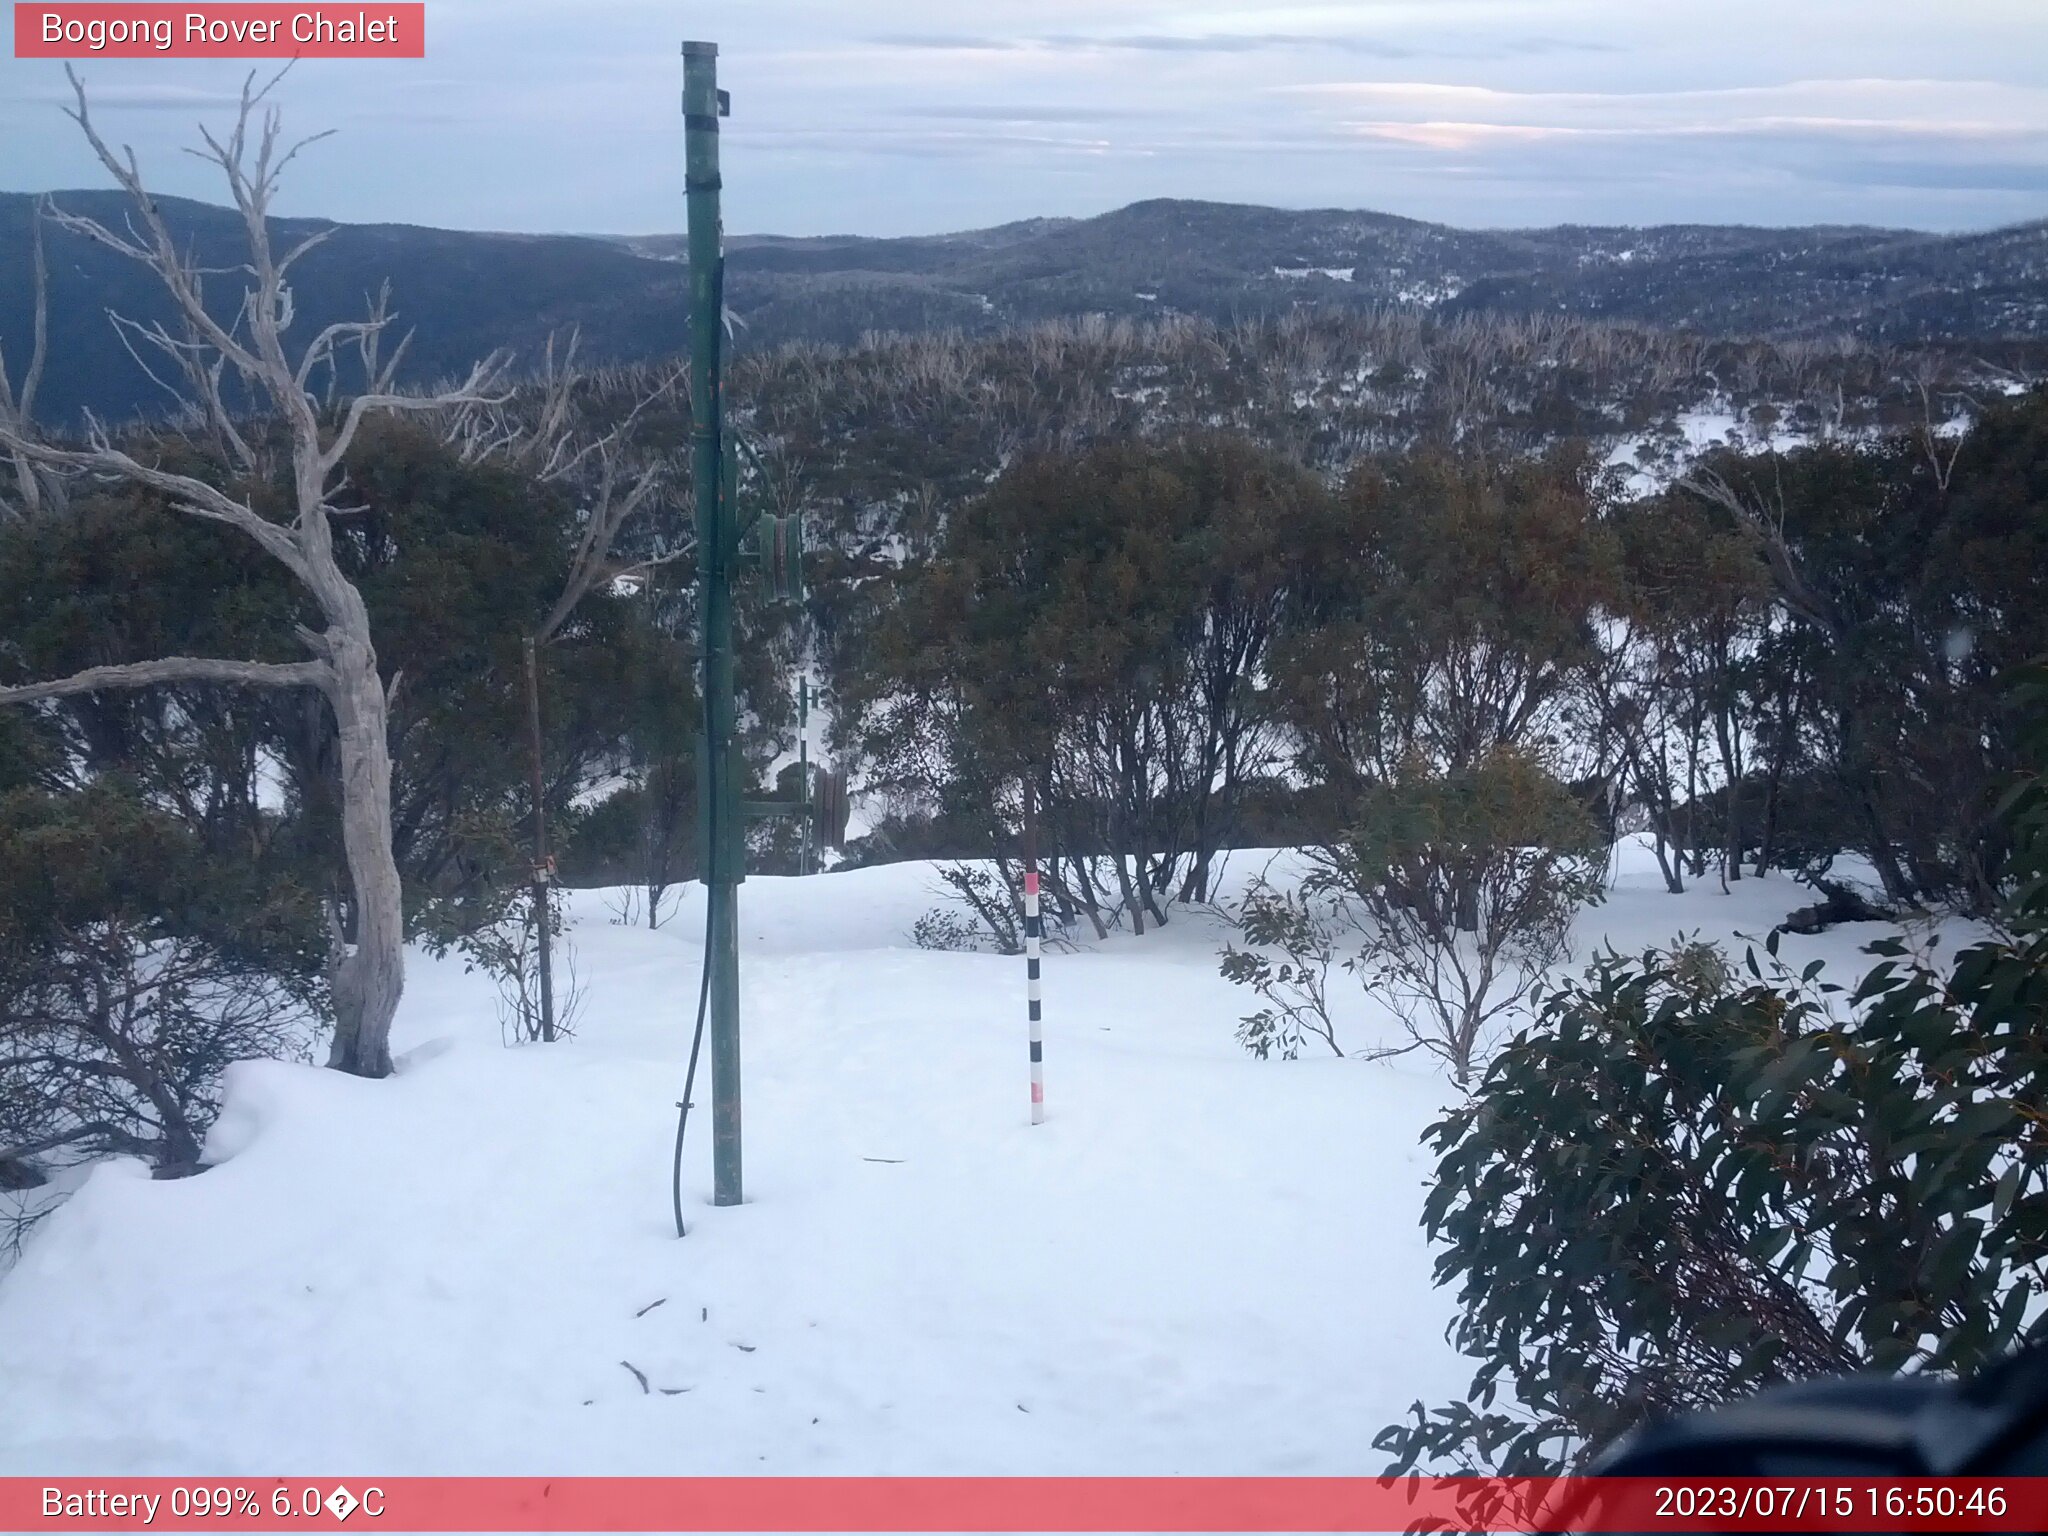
point(284, 493)
point(1460, 606)
point(1102, 621)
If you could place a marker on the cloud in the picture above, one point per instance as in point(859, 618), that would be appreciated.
point(946, 42)
point(1240, 43)
point(1453, 135)
point(1879, 96)
point(1232, 42)
point(1456, 117)
point(931, 143)
point(2031, 179)
point(1054, 113)
point(145, 98)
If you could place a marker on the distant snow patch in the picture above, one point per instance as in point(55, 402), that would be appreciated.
point(1430, 293)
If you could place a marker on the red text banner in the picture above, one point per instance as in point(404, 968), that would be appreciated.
point(221, 31)
point(1061, 1504)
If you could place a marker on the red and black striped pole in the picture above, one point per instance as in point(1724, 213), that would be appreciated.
point(1033, 931)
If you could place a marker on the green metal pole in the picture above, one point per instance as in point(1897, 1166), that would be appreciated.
point(720, 813)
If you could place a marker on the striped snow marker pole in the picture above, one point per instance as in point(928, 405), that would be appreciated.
point(1033, 930)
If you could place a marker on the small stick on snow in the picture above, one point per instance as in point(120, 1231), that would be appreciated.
point(882, 1159)
point(638, 1374)
point(649, 1307)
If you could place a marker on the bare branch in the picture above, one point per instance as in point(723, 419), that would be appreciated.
point(19, 409)
point(63, 1138)
point(321, 348)
point(1768, 530)
point(367, 344)
point(25, 402)
point(367, 973)
point(312, 242)
point(651, 563)
point(98, 233)
point(192, 496)
point(480, 388)
point(178, 275)
point(126, 330)
point(177, 669)
point(591, 562)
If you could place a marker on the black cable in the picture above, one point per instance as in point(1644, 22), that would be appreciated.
point(690, 1078)
point(709, 822)
point(710, 777)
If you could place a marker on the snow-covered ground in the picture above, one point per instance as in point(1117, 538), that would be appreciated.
point(1200, 1263)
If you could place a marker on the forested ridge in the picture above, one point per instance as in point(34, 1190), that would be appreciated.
point(463, 293)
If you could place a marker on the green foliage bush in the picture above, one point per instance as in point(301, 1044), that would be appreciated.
point(1454, 891)
point(1295, 981)
point(134, 967)
point(1687, 1181)
point(1101, 621)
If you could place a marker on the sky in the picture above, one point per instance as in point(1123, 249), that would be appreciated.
point(900, 117)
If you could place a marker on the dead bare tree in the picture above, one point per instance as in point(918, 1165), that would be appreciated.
point(1762, 520)
point(366, 967)
point(17, 408)
point(544, 430)
point(1932, 378)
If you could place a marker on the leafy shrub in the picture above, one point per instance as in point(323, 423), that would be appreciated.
point(987, 914)
point(1296, 983)
point(133, 969)
point(1467, 884)
point(943, 928)
point(505, 946)
point(1683, 1184)
point(1460, 888)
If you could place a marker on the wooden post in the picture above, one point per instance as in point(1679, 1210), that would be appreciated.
point(543, 867)
point(803, 772)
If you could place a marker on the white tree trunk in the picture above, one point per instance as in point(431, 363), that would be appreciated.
point(367, 979)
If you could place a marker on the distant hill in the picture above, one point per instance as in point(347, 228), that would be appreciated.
point(467, 293)
point(462, 294)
